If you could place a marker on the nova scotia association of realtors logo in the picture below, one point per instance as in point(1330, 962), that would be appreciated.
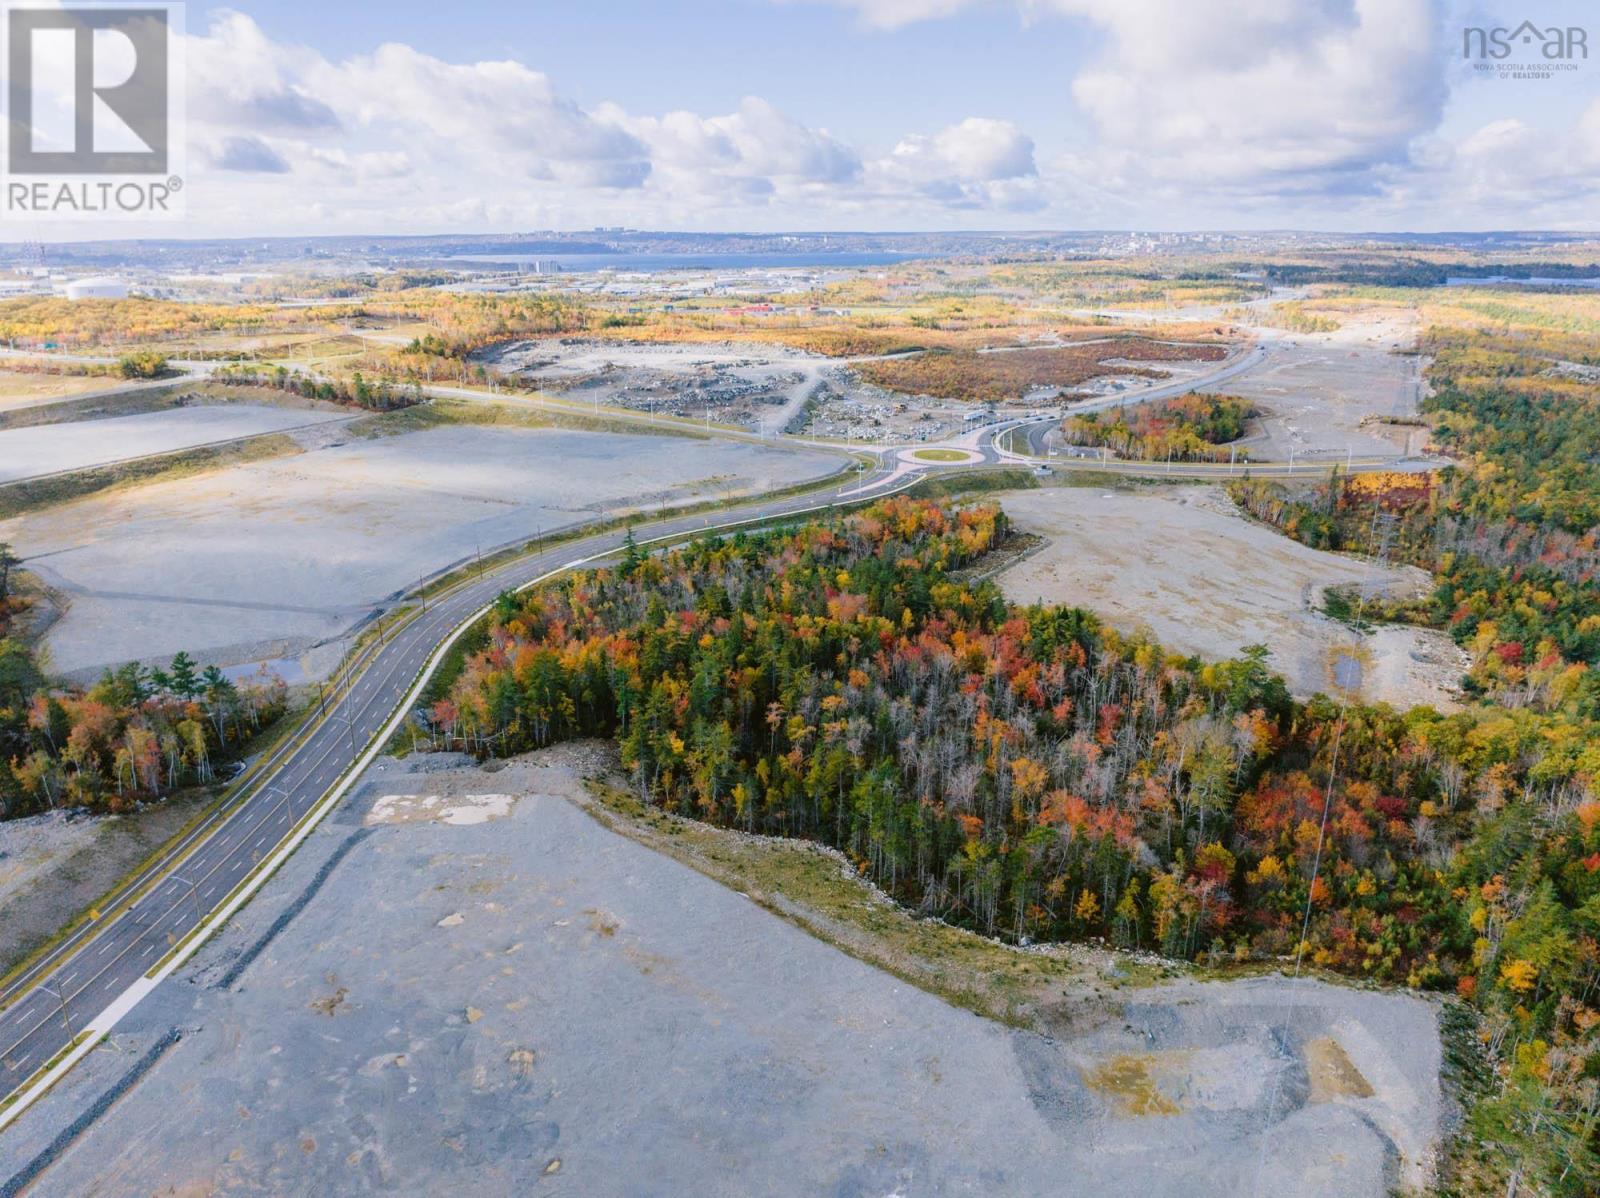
point(94, 112)
point(1525, 51)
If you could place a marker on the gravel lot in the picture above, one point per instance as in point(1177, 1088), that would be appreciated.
point(503, 997)
point(1315, 389)
point(1184, 564)
point(52, 448)
point(264, 560)
point(761, 387)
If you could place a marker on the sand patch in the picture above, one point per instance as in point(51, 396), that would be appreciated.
point(459, 810)
point(1333, 1074)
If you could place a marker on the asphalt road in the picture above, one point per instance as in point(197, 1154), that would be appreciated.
point(46, 1006)
point(56, 998)
point(1248, 360)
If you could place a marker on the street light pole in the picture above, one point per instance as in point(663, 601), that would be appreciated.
point(194, 893)
point(60, 996)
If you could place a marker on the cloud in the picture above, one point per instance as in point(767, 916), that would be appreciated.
point(1235, 93)
point(893, 14)
point(977, 163)
point(240, 78)
point(247, 153)
point(1513, 169)
point(503, 111)
point(475, 141)
point(1305, 96)
point(755, 150)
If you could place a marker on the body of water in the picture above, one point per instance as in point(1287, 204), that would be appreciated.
point(650, 263)
point(1536, 281)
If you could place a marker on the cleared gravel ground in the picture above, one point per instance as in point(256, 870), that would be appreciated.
point(53, 866)
point(1319, 391)
point(267, 559)
point(1182, 563)
point(497, 995)
point(53, 448)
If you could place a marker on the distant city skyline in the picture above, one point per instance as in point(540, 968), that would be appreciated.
point(809, 115)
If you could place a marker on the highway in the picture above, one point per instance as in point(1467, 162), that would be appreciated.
point(57, 997)
point(103, 964)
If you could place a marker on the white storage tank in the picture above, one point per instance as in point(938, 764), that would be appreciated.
point(97, 287)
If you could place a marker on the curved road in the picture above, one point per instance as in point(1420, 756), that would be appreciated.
point(1248, 360)
point(106, 960)
point(99, 972)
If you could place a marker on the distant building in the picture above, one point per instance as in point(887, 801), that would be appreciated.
point(97, 287)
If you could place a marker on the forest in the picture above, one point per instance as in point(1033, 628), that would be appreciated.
point(1188, 428)
point(1029, 773)
point(1511, 532)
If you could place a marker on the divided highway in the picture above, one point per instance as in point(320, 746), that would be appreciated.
point(54, 1001)
point(101, 970)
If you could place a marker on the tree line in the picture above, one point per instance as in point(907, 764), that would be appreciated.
point(1030, 773)
point(135, 735)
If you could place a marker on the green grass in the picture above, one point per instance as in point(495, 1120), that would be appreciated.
point(941, 455)
point(974, 482)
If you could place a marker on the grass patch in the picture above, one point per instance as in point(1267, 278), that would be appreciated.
point(1344, 604)
point(975, 482)
point(97, 407)
point(940, 455)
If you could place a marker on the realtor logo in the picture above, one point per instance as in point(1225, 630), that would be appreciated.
point(1556, 42)
point(94, 106)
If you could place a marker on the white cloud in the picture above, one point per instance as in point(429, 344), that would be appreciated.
point(240, 78)
point(503, 113)
point(1306, 96)
point(1234, 93)
point(755, 148)
point(892, 14)
point(978, 163)
point(469, 143)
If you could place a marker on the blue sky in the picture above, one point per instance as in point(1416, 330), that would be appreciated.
point(883, 114)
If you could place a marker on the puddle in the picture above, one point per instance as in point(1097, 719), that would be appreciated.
point(1346, 671)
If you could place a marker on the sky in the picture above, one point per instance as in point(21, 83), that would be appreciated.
point(777, 115)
